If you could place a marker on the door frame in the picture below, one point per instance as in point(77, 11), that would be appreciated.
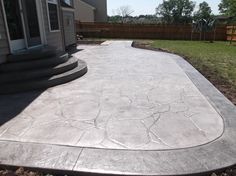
point(41, 22)
point(41, 25)
point(7, 29)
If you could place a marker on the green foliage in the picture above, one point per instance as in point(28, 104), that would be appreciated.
point(142, 19)
point(228, 7)
point(218, 58)
point(115, 19)
point(176, 11)
point(203, 19)
point(204, 12)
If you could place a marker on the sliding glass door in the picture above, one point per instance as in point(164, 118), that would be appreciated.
point(31, 22)
point(23, 23)
point(15, 24)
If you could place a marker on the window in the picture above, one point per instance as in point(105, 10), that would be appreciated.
point(68, 2)
point(53, 15)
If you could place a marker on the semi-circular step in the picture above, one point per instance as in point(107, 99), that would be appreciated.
point(32, 54)
point(34, 64)
point(14, 77)
point(44, 83)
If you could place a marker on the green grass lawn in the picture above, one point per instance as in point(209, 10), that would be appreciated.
point(216, 61)
point(219, 57)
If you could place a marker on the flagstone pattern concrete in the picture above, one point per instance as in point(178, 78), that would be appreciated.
point(136, 111)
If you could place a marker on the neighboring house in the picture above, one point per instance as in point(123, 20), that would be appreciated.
point(225, 19)
point(34, 35)
point(91, 10)
point(26, 24)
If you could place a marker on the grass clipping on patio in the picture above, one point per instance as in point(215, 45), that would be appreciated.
point(216, 61)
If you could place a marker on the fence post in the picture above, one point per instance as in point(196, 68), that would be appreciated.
point(232, 34)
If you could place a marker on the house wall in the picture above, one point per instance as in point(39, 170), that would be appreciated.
point(101, 9)
point(69, 27)
point(53, 38)
point(4, 47)
point(83, 12)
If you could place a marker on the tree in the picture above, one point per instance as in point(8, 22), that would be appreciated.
point(176, 11)
point(228, 7)
point(204, 12)
point(141, 19)
point(115, 19)
point(123, 11)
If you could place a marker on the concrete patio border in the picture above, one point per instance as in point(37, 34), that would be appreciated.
point(214, 156)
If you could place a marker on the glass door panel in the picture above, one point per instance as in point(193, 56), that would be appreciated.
point(14, 23)
point(31, 23)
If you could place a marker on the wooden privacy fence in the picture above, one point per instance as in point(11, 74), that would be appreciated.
point(145, 31)
point(231, 33)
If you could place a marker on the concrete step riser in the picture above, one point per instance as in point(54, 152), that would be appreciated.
point(35, 74)
point(39, 54)
point(31, 65)
point(45, 83)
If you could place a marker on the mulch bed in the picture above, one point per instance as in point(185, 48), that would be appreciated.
point(219, 82)
point(90, 42)
point(22, 172)
point(19, 172)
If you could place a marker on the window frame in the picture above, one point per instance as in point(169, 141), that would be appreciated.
point(71, 3)
point(55, 2)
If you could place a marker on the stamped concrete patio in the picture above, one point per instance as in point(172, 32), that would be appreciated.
point(135, 112)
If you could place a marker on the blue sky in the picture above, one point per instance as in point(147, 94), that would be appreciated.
point(148, 6)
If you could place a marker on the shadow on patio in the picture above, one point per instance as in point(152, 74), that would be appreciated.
point(12, 105)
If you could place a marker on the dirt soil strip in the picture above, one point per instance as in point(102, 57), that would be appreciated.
point(90, 42)
point(23, 172)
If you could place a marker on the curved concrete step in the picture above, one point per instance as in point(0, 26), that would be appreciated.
point(34, 64)
point(14, 77)
point(44, 83)
point(32, 54)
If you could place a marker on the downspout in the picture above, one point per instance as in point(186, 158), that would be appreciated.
point(75, 25)
point(74, 22)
